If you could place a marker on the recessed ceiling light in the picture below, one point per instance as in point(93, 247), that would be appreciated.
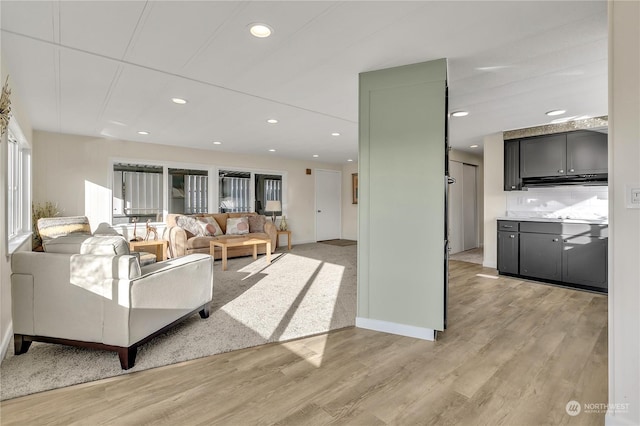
point(473, 146)
point(142, 132)
point(260, 30)
point(460, 113)
point(315, 156)
point(555, 112)
point(335, 134)
point(349, 160)
point(272, 121)
point(272, 150)
point(179, 101)
point(217, 143)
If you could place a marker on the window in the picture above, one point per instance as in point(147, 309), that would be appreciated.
point(18, 185)
point(189, 191)
point(268, 187)
point(137, 193)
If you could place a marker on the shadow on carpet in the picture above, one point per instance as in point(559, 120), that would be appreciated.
point(340, 243)
point(308, 290)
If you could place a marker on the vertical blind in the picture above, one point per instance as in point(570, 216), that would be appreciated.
point(195, 194)
point(272, 189)
point(142, 193)
point(14, 196)
point(236, 194)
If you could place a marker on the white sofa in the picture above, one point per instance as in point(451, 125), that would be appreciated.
point(101, 298)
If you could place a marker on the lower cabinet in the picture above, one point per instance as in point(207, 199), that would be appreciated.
point(541, 256)
point(508, 252)
point(584, 260)
point(572, 254)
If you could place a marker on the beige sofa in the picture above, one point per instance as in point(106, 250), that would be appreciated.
point(183, 242)
point(90, 292)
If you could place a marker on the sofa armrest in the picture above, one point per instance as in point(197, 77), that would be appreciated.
point(163, 285)
point(177, 238)
point(271, 230)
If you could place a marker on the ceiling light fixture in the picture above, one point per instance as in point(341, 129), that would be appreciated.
point(179, 101)
point(272, 121)
point(217, 143)
point(272, 150)
point(335, 134)
point(473, 146)
point(260, 30)
point(349, 160)
point(555, 112)
point(460, 113)
point(142, 132)
point(315, 156)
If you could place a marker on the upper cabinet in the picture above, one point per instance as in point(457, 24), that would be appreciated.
point(543, 156)
point(563, 156)
point(586, 153)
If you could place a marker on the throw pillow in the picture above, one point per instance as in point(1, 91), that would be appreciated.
point(106, 245)
point(53, 227)
point(210, 226)
point(191, 225)
point(237, 225)
point(256, 223)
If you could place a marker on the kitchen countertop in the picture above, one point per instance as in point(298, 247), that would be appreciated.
point(556, 220)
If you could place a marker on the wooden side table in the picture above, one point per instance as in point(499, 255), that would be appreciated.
point(288, 234)
point(157, 247)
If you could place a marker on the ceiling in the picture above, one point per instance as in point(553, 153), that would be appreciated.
point(110, 68)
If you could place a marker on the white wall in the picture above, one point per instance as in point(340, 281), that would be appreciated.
point(349, 210)
point(624, 229)
point(65, 164)
point(495, 200)
point(5, 263)
point(476, 160)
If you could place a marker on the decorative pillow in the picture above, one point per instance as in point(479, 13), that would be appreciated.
point(69, 244)
point(191, 225)
point(256, 223)
point(53, 227)
point(210, 226)
point(237, 225)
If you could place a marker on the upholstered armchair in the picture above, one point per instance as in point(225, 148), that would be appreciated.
point(100, 297)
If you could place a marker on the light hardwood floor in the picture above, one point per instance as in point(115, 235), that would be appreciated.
point(515, 353)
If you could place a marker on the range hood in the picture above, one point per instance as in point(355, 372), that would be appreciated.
point(586, 180)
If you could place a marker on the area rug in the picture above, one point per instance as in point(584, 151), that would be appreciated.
point(471, 256)
point(340, 243)
point(308, 290)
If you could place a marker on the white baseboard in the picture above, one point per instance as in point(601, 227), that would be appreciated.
point(6, 341)
point(612, 420)
point(395, 328)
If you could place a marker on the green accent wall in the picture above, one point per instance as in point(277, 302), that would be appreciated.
point(402, 195)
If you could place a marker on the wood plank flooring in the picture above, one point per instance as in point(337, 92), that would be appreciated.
point(515, 353)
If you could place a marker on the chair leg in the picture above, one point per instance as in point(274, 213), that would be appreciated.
point(204, 312)
point(127, 357)
point(20, 344)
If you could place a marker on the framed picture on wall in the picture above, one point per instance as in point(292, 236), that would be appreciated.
point(354, 187)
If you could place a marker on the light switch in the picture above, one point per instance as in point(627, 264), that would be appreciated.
point(633, 196)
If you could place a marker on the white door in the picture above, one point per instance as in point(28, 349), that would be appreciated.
point(470, 202)
point(456, 207)
point(328, 200)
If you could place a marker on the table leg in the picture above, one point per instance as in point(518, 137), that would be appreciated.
point(255, 251)
point(268, 251)
point(289, 241)
point(224, 258)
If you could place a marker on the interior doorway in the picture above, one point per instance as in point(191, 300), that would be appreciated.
point(463, 207)
point(328, 202)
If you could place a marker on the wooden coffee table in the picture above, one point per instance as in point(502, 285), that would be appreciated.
point(157, 247)
point(237, 242)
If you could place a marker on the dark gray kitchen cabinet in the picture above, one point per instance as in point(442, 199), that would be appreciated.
point(508, 252)
point(586, 153)
point(543, 156)
point(512, 181)
point(584, 260)
point(541, 256)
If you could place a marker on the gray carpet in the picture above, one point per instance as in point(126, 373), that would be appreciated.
point(472, 256)
point(308, 290)
point(340, 243)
